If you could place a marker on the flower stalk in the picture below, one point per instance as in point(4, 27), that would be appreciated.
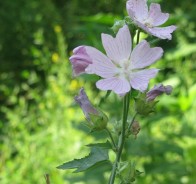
point(122, 137)
point(121, 140)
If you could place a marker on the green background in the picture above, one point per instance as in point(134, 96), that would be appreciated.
point(41, 126)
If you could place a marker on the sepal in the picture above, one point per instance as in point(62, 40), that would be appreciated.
point(144, 107)
point(98, 121)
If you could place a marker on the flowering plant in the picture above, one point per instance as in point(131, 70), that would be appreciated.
point(123, 69)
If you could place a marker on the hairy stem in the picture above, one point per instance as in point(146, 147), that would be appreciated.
point(121, 140)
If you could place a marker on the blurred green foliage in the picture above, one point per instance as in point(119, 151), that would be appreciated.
point(41, 127)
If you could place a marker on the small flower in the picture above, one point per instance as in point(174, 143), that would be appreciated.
point(149, 20)
point(80, 60)
point(158, 90)
point(122, 70)
point(97, 120)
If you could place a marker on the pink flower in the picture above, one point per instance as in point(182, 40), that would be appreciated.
point(80, 60)
point(158, 90)
point(150, 20)
point(122, 70)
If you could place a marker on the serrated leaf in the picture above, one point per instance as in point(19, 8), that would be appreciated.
point(96, 156)
point(106, 145)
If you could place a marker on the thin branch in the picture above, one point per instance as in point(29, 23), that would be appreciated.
point(112, 139)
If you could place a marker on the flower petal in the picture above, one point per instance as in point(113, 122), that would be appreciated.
point(162, 32)
point(137, 9)
point(101, 64)
point(119, 48)
point(80, 60)
point(118, 85)
point(139, 80)
point(156, 17)
point(78, 66)
point(143, 55)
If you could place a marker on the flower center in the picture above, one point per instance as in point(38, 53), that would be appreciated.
point(124, 69)
point(148, 23)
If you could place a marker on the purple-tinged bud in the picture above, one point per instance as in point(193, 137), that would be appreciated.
point(80, 60)
point(85, 104)
point(157, 90)
point(97, 120)
point(142, 106)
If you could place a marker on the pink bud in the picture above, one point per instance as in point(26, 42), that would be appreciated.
point(85, 104)
point(80, 60)
point(157, 90)
point(97, 120)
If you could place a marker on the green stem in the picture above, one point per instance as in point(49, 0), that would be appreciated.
point(112, 139)
point(138, 36)
point(128, 101)
point(121, 140)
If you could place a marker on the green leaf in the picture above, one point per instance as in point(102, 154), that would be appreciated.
point(97, 155)
point(106, 145)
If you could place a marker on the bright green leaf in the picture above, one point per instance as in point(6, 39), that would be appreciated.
point(96, 156)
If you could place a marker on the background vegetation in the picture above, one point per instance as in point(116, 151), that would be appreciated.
point(41, 127)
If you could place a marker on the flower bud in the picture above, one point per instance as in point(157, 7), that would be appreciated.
point(97, 120)
point(80, 60)
point(157, 90)
point(142, 106)
point(135, 128)
point(145, 103)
